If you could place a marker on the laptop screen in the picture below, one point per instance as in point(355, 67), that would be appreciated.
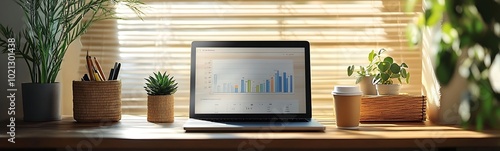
point(250, 80)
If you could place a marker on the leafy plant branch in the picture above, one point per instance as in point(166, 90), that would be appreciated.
point(51, 26)
point(370, 69)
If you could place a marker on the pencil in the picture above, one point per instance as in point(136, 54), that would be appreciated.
point(101, 74)
point(96, 75)
point(89, 66)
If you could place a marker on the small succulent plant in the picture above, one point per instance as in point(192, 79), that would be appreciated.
point(160, 84)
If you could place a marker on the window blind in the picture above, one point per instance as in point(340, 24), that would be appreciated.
point(341, 33)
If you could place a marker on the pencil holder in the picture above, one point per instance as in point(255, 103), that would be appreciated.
point(97, 101)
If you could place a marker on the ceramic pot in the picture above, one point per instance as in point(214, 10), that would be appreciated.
point(388, 89)
point(41, 102)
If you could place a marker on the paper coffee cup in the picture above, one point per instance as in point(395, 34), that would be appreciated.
point(347, 101)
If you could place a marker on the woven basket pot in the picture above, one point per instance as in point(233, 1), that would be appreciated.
point(161, 108)
point(97, 101)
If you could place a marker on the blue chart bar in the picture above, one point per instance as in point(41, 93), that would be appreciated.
point(280, 82)
point(285, 83)
point(277, 83)
point(262, 88)
point(267, 86)
point(242, 86)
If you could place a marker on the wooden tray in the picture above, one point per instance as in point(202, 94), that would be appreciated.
point(393, 108)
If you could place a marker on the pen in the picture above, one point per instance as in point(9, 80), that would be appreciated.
point(86, 77)
point(117, 71)
point(111, 74)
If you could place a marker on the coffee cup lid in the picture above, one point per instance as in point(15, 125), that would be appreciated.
point(346, 90)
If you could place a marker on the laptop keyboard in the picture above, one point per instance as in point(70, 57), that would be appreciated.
point(256, 120)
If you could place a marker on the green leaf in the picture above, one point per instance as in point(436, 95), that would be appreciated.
point(435, 13)
point(395, 68)
point(408, 77)
point(404, 65)
point(358, 80)
point(350, 70)
point(383, 66)
point(445, 65)
point(399, 79)
point(385, 76)
point(381, 51)
point(403, 72)
point(371, 56)
point(389, 60)
point(395, 75)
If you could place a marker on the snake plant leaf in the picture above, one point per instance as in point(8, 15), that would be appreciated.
point(350, 70)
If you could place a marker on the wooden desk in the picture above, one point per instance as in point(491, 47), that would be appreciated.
point(134, 132)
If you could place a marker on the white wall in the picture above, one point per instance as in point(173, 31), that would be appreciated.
point(11, 14)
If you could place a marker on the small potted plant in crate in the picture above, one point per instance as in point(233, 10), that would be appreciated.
point(160, 89)
point(387, 71)
point(366, 74)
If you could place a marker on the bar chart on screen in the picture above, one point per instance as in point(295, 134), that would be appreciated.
point(251, 76)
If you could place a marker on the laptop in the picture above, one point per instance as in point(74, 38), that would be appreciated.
point(250, 86)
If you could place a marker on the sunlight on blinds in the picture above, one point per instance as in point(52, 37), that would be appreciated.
point(341, 33)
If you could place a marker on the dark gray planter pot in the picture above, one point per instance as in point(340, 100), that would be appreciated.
point(41, 102)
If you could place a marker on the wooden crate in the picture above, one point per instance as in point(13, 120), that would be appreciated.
point(393, 108)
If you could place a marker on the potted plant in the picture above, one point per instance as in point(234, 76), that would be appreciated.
point(388, 70)
point(50, 27)
point(160, 89)
point(366, 74)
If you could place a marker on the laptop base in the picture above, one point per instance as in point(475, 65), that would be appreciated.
point(197, 125)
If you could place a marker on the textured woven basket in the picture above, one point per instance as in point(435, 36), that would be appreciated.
point(393, 108)
point(161, 108)
point(97, 101)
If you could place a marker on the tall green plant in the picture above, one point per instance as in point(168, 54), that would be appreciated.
point(471, 29)
point(51, 26)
